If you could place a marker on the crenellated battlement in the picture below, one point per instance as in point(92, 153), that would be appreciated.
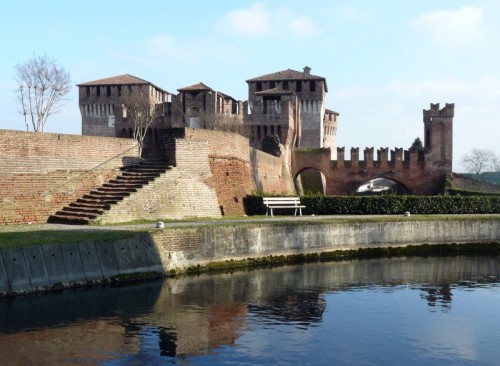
point(398, 157)
point(447, 111)
point(419, 171)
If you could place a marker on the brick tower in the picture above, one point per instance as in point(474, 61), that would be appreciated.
point(438, 128)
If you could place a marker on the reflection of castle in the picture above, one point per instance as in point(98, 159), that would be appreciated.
point(289, 103)
point(438, 296)
point(187, 316)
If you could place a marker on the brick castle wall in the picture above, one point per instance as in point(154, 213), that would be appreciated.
point(42, 172)
point(238, 170)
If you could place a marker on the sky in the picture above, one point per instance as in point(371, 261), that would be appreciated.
point(384, 61)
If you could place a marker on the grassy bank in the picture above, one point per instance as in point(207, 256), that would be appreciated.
point(42, 237)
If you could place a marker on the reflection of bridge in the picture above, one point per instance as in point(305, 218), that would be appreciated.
point(419, 176)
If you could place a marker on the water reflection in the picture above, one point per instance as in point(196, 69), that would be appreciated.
point(190, 317)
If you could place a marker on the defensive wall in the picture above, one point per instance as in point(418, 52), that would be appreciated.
point(235, 168)
point(421, 175)
point(42, 172)
point(345, 176)
point(45, 267)
point(212, 172)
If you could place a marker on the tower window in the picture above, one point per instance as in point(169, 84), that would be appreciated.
point(312, 85)
point(428, 138)
point(108, 91)
point(258, 86)
point(299, 85)
point(98, 91)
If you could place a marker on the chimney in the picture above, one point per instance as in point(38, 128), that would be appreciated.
point(307, 70)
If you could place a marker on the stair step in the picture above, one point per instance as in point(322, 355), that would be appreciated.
point(100, 199)
point(83, 202)
point(62, 219)
point(115, 190)
point(142, 175)
point(124, 184)
point(76, 214)
point(83, 209)
point(101, 196)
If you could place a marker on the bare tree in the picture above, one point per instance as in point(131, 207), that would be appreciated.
point(42, 89)
point(142, 112)
point(222, 122)
point(495, 163)
point(477, 160)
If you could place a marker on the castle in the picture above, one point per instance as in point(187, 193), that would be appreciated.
point(201, 168)
point(288, 104)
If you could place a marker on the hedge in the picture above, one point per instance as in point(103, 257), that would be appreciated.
point(383, 205)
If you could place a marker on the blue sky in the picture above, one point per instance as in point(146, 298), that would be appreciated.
point(384, 61)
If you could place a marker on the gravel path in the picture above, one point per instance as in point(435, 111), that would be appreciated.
point(40, 227)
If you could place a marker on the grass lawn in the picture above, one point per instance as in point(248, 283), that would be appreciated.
point(25, 238)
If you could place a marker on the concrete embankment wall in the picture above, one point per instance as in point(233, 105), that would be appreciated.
point(39, 268)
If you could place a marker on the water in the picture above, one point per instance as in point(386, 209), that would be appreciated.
point(397, 311)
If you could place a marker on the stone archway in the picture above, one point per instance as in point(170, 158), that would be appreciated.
point(381, 185)
point(310, 181)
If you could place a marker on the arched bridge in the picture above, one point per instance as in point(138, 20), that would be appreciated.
point(343, 177)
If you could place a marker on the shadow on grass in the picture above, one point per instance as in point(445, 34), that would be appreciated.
point(40, 237)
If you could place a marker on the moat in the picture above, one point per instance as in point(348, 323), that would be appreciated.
point(390, 311)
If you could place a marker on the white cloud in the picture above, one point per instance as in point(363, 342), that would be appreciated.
point(259, 21)
point(452, 27)
point(302, 26)
point(166, 46)
point(253, 21)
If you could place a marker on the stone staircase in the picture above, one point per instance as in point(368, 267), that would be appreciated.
point(86, 209)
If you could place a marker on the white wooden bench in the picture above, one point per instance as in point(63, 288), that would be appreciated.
point(272, 203)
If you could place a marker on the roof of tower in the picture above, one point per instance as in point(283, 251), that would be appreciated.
point(202, 87)
point(329, 111)
point(196, 87)
point(274, 91)
point(289, 74)
point(125, 79)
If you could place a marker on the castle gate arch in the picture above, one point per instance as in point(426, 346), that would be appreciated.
point(381, 185)
point(310, 181)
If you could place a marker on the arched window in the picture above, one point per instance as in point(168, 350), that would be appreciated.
point(428, 138)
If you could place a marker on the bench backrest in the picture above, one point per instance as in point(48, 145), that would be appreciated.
point(281, 201)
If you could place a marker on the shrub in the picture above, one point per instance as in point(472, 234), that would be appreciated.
point(383, 205)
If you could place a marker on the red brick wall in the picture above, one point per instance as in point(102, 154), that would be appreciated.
point(237, 169)
point(41, 172)
point(344, 177)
